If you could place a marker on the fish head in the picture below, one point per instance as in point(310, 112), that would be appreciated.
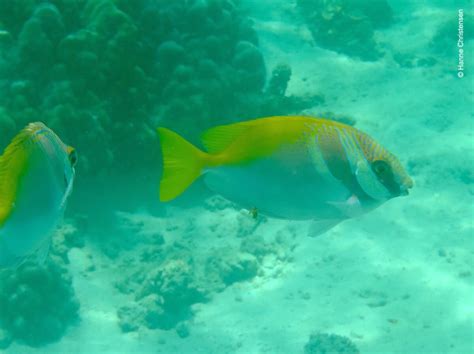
point(69, 171)
point(380, 173)
point(391, 174)
point(61, 159)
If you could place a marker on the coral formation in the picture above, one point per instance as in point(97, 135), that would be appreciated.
point(66, 237)
point(37, 303)
point(229, 267)
point(347, 26)
point(163, 297)
point(322, 343)
point(442, 41)
point(171, 275)
point(104, 73)
point(278, 83)
point(408, 60)
point(275, 100)
point(439, 49)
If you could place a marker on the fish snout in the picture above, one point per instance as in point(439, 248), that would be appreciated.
point(404, 191)
point(406, 186)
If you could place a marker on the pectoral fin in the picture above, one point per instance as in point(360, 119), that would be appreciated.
point(43, 250)
point(10, 260)
point(319, 227)
point(350, 208)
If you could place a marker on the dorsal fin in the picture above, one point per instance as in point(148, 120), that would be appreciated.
point(217, 139)
point(13, 164)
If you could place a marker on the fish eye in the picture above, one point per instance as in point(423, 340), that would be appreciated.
point(73, 157)
point(380, 167)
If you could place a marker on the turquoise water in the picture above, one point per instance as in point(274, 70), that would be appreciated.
point(127, 273)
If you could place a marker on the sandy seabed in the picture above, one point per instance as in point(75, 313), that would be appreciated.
point(398, 280)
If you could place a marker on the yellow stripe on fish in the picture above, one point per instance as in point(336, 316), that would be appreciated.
point(314, 152)
point(13, 165)
point(246, 141)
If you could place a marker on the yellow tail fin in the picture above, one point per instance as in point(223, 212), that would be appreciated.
point(182, 164)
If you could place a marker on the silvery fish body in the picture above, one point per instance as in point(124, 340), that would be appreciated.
point(287, 167)
point(36, 178)
point(286, 185)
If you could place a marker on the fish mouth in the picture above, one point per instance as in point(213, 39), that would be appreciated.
point(404, 186)
point(404, 190)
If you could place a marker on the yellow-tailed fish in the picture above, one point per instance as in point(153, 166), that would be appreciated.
point(287, 167)
point(36, 178)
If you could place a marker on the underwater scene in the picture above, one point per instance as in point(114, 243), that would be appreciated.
point(236, 176)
